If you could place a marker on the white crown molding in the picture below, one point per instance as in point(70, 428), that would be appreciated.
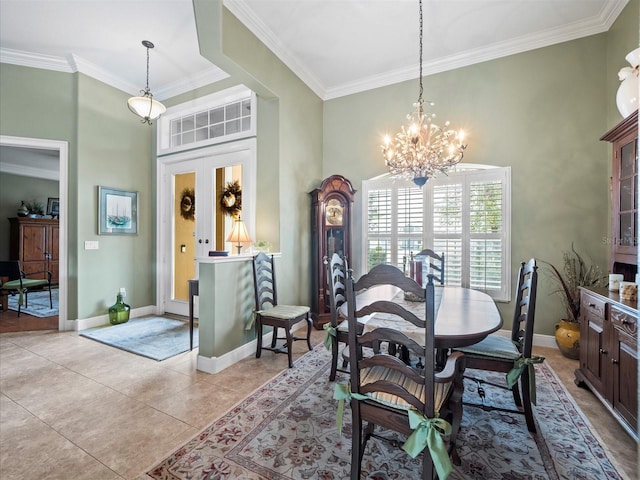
point(74, 64)
point(35, 172)
point(203, 78)
point(27, 59)
point(554, 36)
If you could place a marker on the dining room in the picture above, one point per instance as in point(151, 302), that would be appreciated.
point(540, 164)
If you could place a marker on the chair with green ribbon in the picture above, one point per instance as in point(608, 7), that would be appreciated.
point(512, 355)
point(13, 280)
point(385, 393)
point(336, 271)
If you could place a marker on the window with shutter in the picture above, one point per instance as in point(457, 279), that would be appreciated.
point(464, 215)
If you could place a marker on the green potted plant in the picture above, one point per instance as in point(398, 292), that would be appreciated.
point(35, 208)
point(576, 272)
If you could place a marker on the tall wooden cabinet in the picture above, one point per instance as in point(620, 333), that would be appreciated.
point(624, 197)
point(609, 353)
point(331, 206)
point(35, 243)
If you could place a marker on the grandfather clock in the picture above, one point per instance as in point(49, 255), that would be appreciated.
point(331, 206)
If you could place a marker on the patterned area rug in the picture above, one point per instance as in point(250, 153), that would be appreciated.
point(287, 430)
point(39, 305)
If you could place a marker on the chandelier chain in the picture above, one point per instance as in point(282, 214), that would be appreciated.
point(420, 62)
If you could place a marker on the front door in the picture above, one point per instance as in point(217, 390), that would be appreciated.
point(191, 222)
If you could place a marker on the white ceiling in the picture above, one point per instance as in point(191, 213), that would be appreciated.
point(337, 47)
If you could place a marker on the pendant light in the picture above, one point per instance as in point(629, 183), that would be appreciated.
point(145, 106)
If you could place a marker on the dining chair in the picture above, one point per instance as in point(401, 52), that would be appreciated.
point(435, 263)
point(270, 313)
point(512, 355)
point(13, 280)
point(337, 328)
point(386, 392)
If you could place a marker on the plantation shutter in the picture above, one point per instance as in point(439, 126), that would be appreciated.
point(379, 227)
point(485, 218)
point(410, 224)
point(447, 229)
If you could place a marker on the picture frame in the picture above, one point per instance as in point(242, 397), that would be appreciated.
point(53, 207)
point(117, 211)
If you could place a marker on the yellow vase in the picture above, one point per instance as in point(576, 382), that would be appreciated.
point(568, 338)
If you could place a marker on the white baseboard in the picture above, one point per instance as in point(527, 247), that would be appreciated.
point(217, 364)
point(100, 320)
point(548, 341)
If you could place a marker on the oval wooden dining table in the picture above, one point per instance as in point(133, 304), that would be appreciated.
point(463, 316)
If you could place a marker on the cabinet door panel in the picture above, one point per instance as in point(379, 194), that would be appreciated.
point(33, 243)
point(594, 354)
point(625, 376)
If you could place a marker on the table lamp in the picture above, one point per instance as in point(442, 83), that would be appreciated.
point(239, 234)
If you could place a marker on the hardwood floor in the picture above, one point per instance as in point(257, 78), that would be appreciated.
point(10, 322)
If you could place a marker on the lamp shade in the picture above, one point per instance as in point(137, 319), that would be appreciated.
point(146, 107)
point(239, 234)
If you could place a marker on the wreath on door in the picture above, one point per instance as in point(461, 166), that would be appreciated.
point(188, 204)
point(231, 199)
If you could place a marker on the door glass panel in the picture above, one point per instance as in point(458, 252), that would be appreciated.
point(184, 246)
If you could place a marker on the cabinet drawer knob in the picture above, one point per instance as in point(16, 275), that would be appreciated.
point(592, 305)
point(614, 361)
point(603, 351)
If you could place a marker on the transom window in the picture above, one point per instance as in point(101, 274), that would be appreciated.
point(465, 214)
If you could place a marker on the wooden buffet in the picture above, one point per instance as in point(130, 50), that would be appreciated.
point(35, 243)
point(609, 353)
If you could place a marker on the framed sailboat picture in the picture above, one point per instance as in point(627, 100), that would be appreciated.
point(117, 212)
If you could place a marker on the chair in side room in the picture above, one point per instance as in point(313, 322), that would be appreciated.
point(270, 313)
point(14, 280)
point(385, 393)
point(512, 355)
point(434, 262)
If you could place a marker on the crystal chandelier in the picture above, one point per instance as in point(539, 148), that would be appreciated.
point(145, 106)
point(422, 148)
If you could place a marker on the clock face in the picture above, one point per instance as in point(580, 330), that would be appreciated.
point(333, 212)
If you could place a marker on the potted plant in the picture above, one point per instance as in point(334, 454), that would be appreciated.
point(575, 273)
point(35, 208)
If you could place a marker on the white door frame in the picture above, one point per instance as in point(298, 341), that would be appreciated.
point(63, 156)
point(164, 210)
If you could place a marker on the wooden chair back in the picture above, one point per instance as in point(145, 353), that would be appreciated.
point(264, 278)
point(525, 307)
point(435, 263)
point(336, 285)
point(402, 387)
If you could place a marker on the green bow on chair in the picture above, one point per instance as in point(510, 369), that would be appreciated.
point(517, 370)
point(341, 393)
point(332, 332)
point(428, 432)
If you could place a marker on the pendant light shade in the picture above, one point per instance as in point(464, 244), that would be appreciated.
point(145, 106)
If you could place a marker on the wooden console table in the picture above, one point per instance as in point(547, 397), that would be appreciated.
point(609, 353)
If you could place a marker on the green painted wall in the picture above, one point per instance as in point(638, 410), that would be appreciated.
point(541, 112)
point(114, 150)
point(107, 146)
point(289, 136)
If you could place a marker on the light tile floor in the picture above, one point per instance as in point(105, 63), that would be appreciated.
point(73, 408)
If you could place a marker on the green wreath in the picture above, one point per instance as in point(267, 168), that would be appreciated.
point(188, 203)
point(231, 199)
